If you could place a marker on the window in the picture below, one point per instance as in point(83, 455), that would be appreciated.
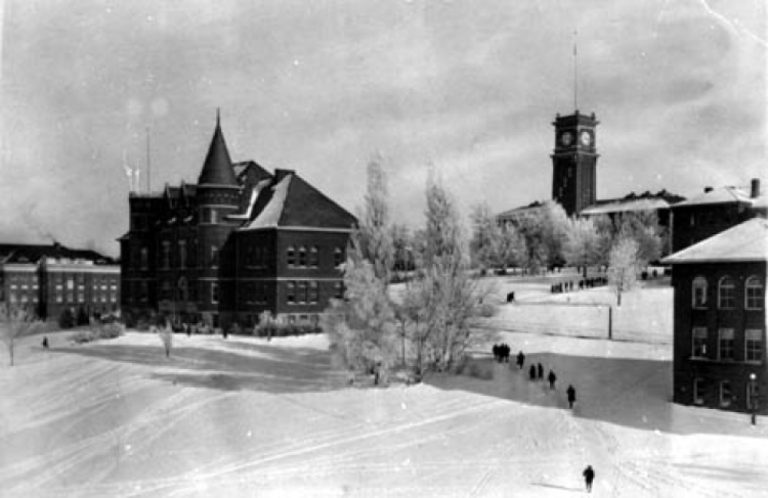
point(302, 291)
point(143, 291)
point(214, 292)
point(338, 290)
point(166, 254)
point(290, 292)
point(753, 344)
point(699, 390)
point(699, 335)
point(699, 292)
point(214, 257)
point(166, 290)
point(312, 297)
point(302, 256)
point(183, 289)
point(182, 254)
point(59, 293)
point(313, 257)
point(726, 293)
point(144, 258)
point(338, 256)
point(725, 349)
point(725, 393)
point(753, 294)
point(290, 256)
point(753, 392)
point(257, 261)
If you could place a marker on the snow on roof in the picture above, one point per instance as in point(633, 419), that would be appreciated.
point(254, 195)
point(717, 196)
point(269, 217)
point(747, 241)
point(622, 205)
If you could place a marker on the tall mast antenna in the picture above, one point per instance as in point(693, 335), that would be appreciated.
point(575, 70)
point(149, 166)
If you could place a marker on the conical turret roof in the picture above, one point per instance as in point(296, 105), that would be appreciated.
point(217, 169)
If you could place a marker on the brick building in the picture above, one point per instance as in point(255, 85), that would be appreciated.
point(713, 211)
point(47, 279)
point(239, 242)
point(720, 319)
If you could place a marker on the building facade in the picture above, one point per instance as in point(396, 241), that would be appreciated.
point(720, 320)
point(713, 211)
point(51, 279)
point(239, 242)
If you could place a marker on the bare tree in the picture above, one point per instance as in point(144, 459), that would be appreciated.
point(486, 238)
point(582, 244)
point(623, 266)
point(16, 322)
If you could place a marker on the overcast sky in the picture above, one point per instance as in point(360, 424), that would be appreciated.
point(469, 87)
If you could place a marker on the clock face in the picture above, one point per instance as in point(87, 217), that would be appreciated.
point(566, 138)
point(585, 138)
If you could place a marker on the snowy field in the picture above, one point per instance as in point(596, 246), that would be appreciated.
point(246, 417)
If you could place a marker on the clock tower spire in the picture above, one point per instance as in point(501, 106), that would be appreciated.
point(574, 162)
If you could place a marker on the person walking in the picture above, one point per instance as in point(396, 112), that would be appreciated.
point(520, 360)
point(540, 371)
point(45, 341)
point(571, 396)
point(532, 372)
point(551, 378)
point(589, 476)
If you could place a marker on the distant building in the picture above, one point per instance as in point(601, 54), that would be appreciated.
point(239, 242)
point(720, 319)
point(574, 179)
point(713, 211)
point(659, 203)
point(47, 279)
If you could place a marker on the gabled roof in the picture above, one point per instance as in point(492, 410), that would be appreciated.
point(292, 202)
point(625, 205)
point(217, 168)
point(535, 205)
point(746, 241)
point(719, 195)
point(32, 253)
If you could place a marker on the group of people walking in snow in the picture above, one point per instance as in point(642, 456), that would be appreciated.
point(535, 372)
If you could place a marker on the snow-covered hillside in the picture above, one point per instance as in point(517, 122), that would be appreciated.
point(245, 417)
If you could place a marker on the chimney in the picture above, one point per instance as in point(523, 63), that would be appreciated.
point(707, 190)
point(755, 188)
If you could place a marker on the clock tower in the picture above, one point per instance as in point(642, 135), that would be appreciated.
point(574, 161)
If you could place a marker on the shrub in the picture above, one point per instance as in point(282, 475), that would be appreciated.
point(66, 319)
point(98, 331)
point(273, 329)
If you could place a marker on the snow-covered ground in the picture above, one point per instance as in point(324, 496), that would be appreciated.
point(247, 417)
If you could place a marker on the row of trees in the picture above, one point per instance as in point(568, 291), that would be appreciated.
point(548, 238)
point(425, 324)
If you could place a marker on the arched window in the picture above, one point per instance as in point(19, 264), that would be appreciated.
point(753, 293)
point(313, 257)
point(699, 291)
point(726, 293)
point(183, 289)
point(290, 256)
point(290, 292)
point(302, 256)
